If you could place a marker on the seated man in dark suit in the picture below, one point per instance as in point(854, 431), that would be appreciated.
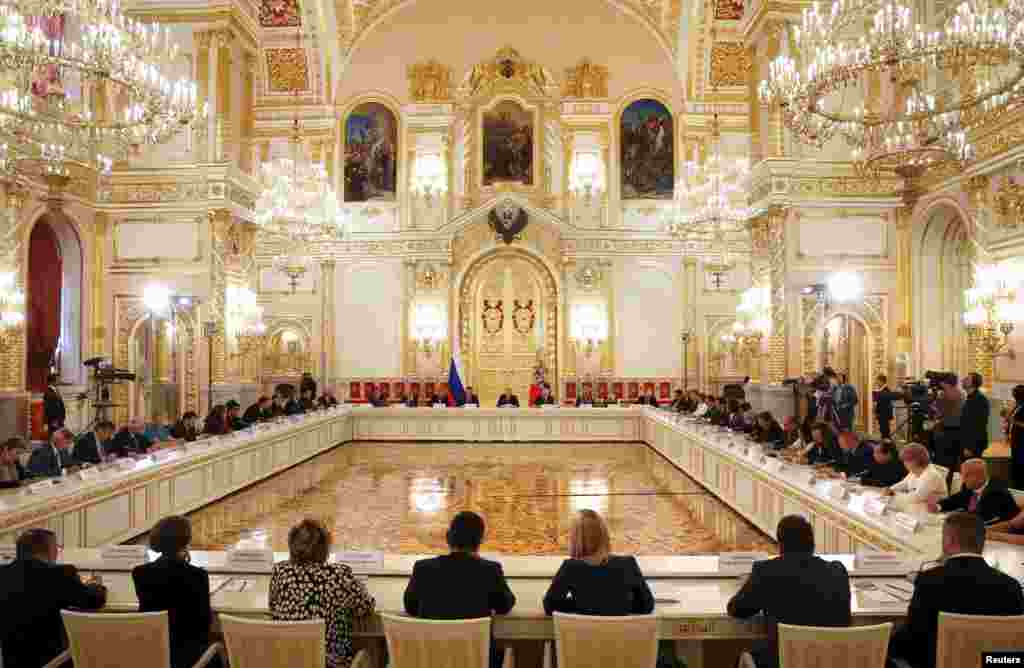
point(885, 468)
point(797, 587)
point(38, 589)
point(53, 458)
point(989, 499)
point(12, 473)
point(964, 584)
point(471, 397)
point(258, 412)
point(375, 399)
point(234, 418)
point(508, 399)
point(461, 584)
point(91, 448)
point(586, 399)
point(413, 400)
point(131, 440)
point(854, 455)
point(327, 399)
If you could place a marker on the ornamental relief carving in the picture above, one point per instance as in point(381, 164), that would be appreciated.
point(430, 81)
point(585, 81)
point(287, 70)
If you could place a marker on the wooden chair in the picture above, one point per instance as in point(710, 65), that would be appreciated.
point(584, 641)
point(962, 638)
point(429, 643)
point(259, 643)
point(104, 640)
point(828, 647)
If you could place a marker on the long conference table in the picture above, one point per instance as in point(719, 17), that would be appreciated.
point(121, 501)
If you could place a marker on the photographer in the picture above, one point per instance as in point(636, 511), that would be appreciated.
point(946, 434)
point(844, 401)
point(884, 397)
point(974, 419)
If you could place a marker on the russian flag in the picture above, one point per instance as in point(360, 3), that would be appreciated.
point(456, 391)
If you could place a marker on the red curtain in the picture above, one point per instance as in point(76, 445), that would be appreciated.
point(45, 280)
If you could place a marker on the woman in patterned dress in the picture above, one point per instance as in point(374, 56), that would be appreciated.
point(307, 587)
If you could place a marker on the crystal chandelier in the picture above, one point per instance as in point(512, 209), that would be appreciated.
point(948, 80)
point(56, 56)
point(12, 307)
point(712, 224)
point(753, 317)
point(298, 208)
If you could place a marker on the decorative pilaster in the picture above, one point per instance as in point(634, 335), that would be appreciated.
point(778, 358)
point(327, 299)
point(100, 230)
point(904, 287)
point(407, 352)
point(245, 158)
point(689, 320)
point(569, 366)
point(203, 41)
point(225, 143)
point(754, 103)
point(220, 223)
point(776, 130)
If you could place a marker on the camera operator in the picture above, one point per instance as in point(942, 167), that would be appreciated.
point(947, 431)
point(883, 405)
point(974, 420)
point(844, 400)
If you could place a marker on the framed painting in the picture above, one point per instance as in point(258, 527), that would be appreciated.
point(647, 148)
point(508, 136)
point(371, 154)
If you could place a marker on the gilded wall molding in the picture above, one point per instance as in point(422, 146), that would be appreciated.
point(585, 81)
point(287, 70)
point(1009, 200)
point(430, 81)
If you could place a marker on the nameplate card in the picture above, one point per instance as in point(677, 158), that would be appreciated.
point(126, 463)
point(881, 563)
point(835, 490)
point(360, 562)
point(295, 418)
point(472, 406)
point(88, 473)
point(249, 559)
point(124, 556)
point(549, 406)
point(440, 406)
point(775, 465)
point(875, 505)
point(738, 563)
point(164, 455)
point(42, 487)
point(906, 521)
point(8, 553)
point(586, 405)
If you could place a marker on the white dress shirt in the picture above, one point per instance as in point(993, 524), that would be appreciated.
point(919, 488)
point(701, 410)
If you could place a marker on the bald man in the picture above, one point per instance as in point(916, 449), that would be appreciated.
point(978, 494)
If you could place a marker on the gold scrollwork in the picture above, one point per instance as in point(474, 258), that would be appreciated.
point(728, 64)
point(585, 81)
point(430, 81)
point(1010, 204)
point(288, 70)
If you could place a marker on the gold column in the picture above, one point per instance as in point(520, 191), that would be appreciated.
point(225, 131)
point(569, 361)
point(689, 320)
point(904, 281)
point(776, 130)
point(327, 319)
point(163, 351)
point(754, 102)
point(407, 352)
point(220, 223)
point(608, 359)
point(778, 359)
point(245, 161)
point(100, 228)
point(12, 356)
point(202, 42)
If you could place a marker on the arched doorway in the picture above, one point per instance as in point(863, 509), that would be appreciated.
point(940, 278)
point(154, 356)
point(508, 320)
point(54, 302)
point(844, 347)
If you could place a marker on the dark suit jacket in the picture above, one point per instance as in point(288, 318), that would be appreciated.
point(12, 476)
point(964, 585)
point(615, 588)
point(508, 400)
point(974, 423)
point(127, 443)
point(884, 475)
point(472, 399)
point(996, 502)
point(293, 407)
point(798, 589)
point(411, 402)
point(47, 463)
point(883, 403)
point(32, 594)
point(644, 401)
point(854, 462)
point(827, 452)
point(253, 414)
point(457, 586)
point(53, 408)
point(87, 449)
point(183, 590)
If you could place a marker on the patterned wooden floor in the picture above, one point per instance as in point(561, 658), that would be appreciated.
point(399, 498)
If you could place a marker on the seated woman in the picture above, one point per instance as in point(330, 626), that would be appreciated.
point(735, 421)
point(307, 587)
point(11, 470)
point(822, 449)
point(186, 427)
point(171, 583)
point(217, 421)
point(770, 431)
point(593, 581)
point(924, 482)
point(545, 398)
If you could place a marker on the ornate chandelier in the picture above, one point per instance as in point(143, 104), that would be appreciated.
point(705, 216)
point(992, 308)
point(948, 80)
point(57, 57)
point(12, 307)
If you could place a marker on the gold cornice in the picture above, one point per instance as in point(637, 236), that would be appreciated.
point(246, 26)
point(770, 10)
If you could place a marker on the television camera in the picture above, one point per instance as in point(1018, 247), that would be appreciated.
point(103, 376)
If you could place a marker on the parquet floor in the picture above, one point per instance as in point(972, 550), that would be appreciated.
point(398, 498)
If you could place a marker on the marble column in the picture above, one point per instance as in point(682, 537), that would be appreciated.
point(327, 321)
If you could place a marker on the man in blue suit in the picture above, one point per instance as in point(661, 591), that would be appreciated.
point(52, 459)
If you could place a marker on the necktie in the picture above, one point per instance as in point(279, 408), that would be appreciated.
point(972, 505)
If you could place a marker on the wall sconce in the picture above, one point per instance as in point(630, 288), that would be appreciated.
point(586, 176)
point(589, 328)
point(992, 308)
point(429, 328)
point(753, 318)
point(430, 177)
point(12, 308)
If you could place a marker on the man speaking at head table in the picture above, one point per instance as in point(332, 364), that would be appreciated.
point(508, 399)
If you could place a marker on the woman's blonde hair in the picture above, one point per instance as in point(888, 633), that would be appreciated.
point(588, 538)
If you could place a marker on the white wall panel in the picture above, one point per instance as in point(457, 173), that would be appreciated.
point(842, 236)
point(139, 240)
point(369, 312)
point(647, 318)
